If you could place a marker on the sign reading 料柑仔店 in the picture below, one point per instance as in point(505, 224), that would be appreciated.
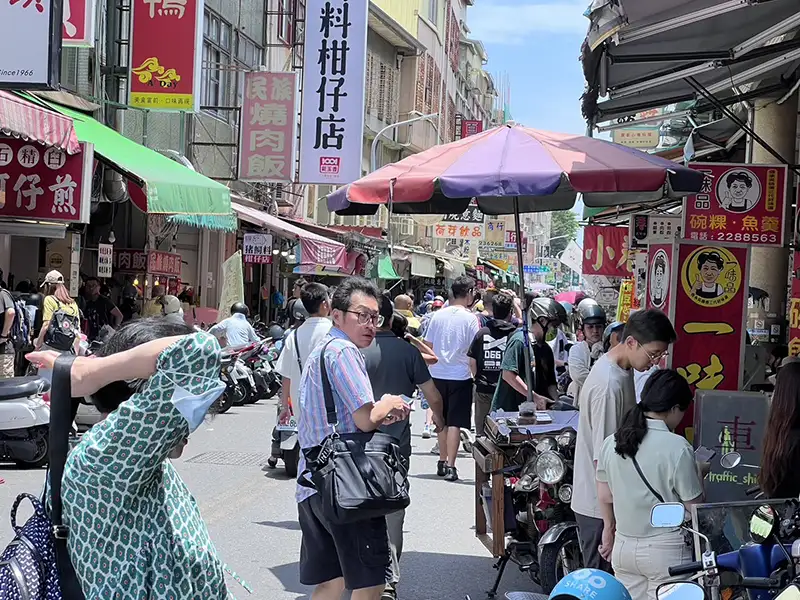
point(30, 58)
point(334, 70)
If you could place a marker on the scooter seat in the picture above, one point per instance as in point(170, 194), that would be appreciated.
point(22, 387)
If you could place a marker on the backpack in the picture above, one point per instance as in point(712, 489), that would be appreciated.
point(20, 335)
point(62, 329)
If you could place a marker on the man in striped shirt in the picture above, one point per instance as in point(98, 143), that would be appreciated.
point(338, 557)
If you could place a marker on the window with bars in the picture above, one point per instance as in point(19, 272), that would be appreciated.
point(217, 61)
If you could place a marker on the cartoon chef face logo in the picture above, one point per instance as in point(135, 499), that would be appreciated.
point(658, 284)
point(738, 190)
point(711, 276)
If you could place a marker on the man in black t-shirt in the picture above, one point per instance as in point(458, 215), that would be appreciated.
point(98, 310)
point(486, 353)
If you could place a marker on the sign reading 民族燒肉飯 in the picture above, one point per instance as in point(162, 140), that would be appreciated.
point(739, 203)
point(334, 71)
point(267, 127)
point(29, 55)
point(45, 182)
point(78, 23)
point(709, 300)
point(165, 54)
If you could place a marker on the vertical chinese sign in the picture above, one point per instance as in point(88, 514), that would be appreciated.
point(78, 23)
point(462, 226)
point(267, 127)
point(794, 308)
point(45, 183)
point(709, 285)
point(334, 71)
point(739, 203)
point(659, 273)
point(30, 58)
point(166, 44)
point(605, 251)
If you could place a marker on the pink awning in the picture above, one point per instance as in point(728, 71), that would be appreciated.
point(314, 249)
point(20, 118)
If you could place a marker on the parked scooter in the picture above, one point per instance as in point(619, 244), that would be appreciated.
point(285, 444)
point(24, 421)
point(232, 390)
point(267, 380)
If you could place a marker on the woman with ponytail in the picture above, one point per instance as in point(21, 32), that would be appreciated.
point(641, 465)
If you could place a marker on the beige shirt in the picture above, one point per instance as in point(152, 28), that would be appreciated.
point(606, 396)
point(667, 462)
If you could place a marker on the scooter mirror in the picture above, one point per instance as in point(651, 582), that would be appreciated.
point(684, 590)
point(730, 460)
point(669, 514)
point(790, 593)
point(762, 523)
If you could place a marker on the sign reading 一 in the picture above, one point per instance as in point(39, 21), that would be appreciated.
point(257, 248)
point(334, 71)
point(105, 259)
point(267, 137)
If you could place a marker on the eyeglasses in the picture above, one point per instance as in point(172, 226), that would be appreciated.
point(654, 358)
point(365, 318)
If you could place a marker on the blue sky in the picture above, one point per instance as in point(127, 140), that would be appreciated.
point(537, 42)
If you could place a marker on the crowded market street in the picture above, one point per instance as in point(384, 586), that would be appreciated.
point(252, 515)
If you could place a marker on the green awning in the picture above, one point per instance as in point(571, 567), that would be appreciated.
point(385, 269)
point(169, 187)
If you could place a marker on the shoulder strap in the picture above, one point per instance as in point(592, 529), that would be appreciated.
point(644, 479)
point(297, 350)
point(330, 406)
point(60, 423)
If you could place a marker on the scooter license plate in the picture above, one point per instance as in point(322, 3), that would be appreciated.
point(291, 424)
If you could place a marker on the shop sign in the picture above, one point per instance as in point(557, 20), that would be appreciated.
point(653, 229)
point(625, 301)
point(468, 225)
point(738, 203)
point(794, 308)
point(659, 276)
point(257, 248)
point(232, 285)
point(510, 241)
point(78, 23)
point(643, 136)
point(130, 261)
point(639, 277)
point(105, 260)
point(165, 54)
point(334, 71)
point(29, 55)
point(267, 127)
point(605, 251)
point(45, 183)
point(494, 235)
point(709, 284)
point(470, 127)
point(74, 264)
point(164, 263)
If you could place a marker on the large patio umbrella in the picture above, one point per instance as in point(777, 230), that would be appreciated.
point(512, 169)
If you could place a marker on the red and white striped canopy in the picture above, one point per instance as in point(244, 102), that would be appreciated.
point(20, 118)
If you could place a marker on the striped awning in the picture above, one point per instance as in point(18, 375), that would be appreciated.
point(23, 119)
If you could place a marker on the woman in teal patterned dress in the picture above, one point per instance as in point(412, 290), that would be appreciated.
point(135, 531)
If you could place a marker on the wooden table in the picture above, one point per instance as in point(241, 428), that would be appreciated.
point(489, 462)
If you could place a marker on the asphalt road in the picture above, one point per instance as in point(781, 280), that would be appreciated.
point(252, 515)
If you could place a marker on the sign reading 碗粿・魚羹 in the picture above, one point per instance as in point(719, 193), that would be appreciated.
point(709, 299)
point(267, 127)
point(334, 70)
point(30, 58)
point(739, 203)
point(165, 54)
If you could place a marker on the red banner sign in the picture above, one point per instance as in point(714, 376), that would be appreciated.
point(710, 294)
point(45, 183)
point(738, 203)
point(129, 260)
point(605, 251)
point(78, 23)
point(165, 49)
point(794, 308)
point(164, 263)
point(469, 127)
point(659, 276)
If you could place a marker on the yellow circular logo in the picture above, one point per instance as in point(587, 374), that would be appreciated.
point(711, 276)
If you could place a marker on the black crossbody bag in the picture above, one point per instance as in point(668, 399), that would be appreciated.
point(358, 476)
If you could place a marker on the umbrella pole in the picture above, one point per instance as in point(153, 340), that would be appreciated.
point(527, 346)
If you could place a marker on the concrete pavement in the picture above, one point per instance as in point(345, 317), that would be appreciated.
point(252, 515)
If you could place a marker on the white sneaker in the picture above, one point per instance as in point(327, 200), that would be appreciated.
point(435, 449)
point(426, 432)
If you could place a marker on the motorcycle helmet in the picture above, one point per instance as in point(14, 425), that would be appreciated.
point(546, 308)
point(615, 327)
point(563, 316)
point(299, 311)
point(567, 306)
point(589, 311)
point(275, 332)
point(240, 308)
point(589, 584)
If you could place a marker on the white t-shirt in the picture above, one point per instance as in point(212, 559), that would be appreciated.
point(451, 332)
point(579, 365)
point(640, 378)
point(306, 337)
point(606, 396)
point(558, 345)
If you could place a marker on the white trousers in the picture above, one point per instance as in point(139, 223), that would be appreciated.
point(642, 564)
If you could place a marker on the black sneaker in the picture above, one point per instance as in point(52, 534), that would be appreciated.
point(452, 474)
point(441, 468)
point(389, 594)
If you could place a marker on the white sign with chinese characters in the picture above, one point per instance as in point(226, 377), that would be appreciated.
point(257, 248)
point(105, 259)
point(28, 53)
point(334, 71)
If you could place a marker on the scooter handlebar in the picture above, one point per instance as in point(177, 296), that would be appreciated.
point(692, 567)
point(761, 583)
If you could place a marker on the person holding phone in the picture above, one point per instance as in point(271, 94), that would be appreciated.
point(641, 465)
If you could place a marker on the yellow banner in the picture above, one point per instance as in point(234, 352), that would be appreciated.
point(625, 302)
